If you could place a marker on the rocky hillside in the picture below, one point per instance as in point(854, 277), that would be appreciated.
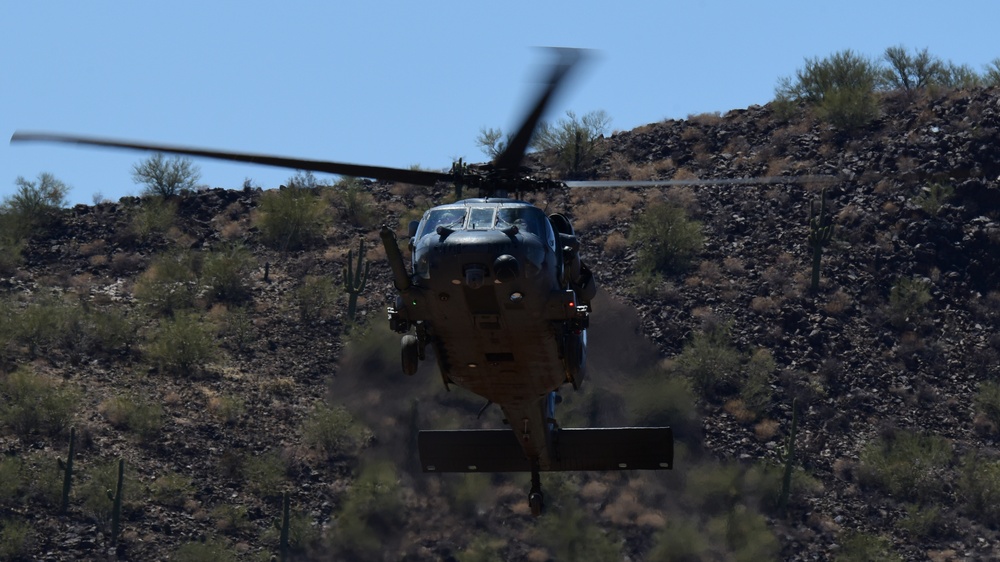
point(190, 340)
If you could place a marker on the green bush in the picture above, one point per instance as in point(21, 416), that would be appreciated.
point(679, 541)
point(182, 345)
point(140, 416)
point(333, 430)
point(168, 285)
point(667, 239)
point(906, 465)
point(756, 391)
point(745, 534)
point(171, 489)
point(211, 550)
point(350, 196)
point(12, 480)
point(315, 296)
point(572, 143)
point(710, 361)
point(979, 488)
point(371, 513)
point(93, 492)
point(910, 72)
point(154, 216)
point(841, 87)
point(659, 399)
point(988, 401)
point(226, 271)
point(924, 522)
point(265, 474)
point(291, 218)
point(931, 198)
point(165, 177)
point(33, 205)
point(908, 302)
point(33, 403)
point(862, 547)
point(16, 539)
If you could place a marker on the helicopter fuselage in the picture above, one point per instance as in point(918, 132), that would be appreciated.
point(491, 290)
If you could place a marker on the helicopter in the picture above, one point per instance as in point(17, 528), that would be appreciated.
point(499, 292)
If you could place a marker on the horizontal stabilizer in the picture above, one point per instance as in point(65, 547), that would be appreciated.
point(497, 450)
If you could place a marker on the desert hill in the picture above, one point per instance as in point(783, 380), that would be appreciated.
point(212, 352)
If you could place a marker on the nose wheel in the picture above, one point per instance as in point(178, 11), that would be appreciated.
point(536, 500)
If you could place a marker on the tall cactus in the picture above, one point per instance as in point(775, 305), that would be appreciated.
point(285, 519)
point(67, 468)
point(789, 458)
point(820, 233)
point(116, 506)
point(354, 280)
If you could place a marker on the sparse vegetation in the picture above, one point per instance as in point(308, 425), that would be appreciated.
point(182, 345)
point(35, 403)
point(907, 465)
point(166, 177)
point(667, 239)
point(291, 218)
point(841, 87)
point(573, 142)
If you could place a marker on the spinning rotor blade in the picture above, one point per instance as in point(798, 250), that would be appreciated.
point(418, 177)
point(510, 159)
point(718, 181)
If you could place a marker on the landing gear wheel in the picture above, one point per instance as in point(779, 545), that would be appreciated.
point(536, 500)
point(410, 354)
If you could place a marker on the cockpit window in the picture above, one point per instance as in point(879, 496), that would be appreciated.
point(481, 218)
point(527, 219)
point(453, 218)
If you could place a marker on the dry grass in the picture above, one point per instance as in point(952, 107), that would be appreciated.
point(765, 430)
point(599, 207)
point(615, 244)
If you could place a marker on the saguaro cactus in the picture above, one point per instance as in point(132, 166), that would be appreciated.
point(354, 280)
point(285, 519)
point(116, 499)
point(67, 468)
point(789, 458)
point(820, 233)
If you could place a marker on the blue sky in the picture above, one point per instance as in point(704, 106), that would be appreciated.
point(403, 83)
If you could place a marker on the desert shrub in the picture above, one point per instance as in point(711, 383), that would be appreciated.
point(15, 539)
point(667, 239)
point(568, 530)
point(154, 216)
point(908, 301)
point(482, 548)
point(988, 401)
point(979, 488)
point(355, 205)
point(841, 87)
point(182, 344)
point(231, 518)
point(910, 72)
point(265, 474)
point(11, 247)
point(572, 142)
point(228, 409)
point(906, 465)
point(291, 218)
point(923, 522)
point(745, 534)
point(168, 285)
point(210, 550)
point(165, 177)
point(42, 325)
point(661, 400)
point(171, 489)
point(12, 480)
point(34, 403)
point(226, 271)
point(991, 74)
point(371, 512)
point(932, 197)
point(315, 296)
point(679, 541)
point(756, 391)
point(33, 205)
point(470, 492)
point(302, 533)
point(492, 142)
point(333, 430)
point(137, 415)
point(863, 547)
point(710, 361)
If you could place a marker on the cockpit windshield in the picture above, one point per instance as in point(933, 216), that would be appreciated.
point(453, 218)
point(527, 219)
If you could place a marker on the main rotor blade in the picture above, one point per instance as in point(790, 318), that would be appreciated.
point(418, 177)
point(718, 181)
point(510, 158)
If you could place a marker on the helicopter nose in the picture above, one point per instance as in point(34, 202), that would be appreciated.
point(506, 268)
point(474, 276)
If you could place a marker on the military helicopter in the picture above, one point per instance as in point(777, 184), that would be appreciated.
point(498, 290)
